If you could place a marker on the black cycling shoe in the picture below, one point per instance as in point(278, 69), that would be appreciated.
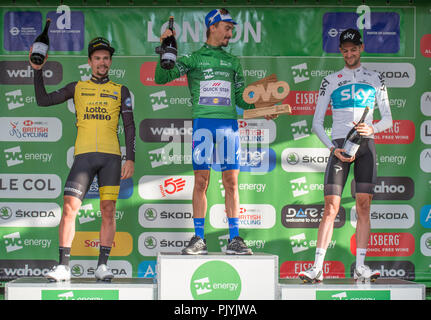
point(237, 246)
point(197, 245)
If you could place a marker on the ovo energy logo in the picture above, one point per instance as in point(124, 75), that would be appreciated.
point(215, 280)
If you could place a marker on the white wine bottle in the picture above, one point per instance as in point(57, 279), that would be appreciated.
point(353, 139)
point(168, 49)
point(41, 45)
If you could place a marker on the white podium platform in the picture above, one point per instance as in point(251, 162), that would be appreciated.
point(349, 289)
point(217, 276)
point(32, 288)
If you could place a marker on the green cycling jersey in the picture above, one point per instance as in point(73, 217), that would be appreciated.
point(215, 80)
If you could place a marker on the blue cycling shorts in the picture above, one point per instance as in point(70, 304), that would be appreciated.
point(219, 135)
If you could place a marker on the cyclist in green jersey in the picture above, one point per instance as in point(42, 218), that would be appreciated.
point(216, 84)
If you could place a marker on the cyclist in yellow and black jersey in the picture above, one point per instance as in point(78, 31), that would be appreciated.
point(99, 103)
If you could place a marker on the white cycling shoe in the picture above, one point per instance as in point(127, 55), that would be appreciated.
point(364, 273)
point(311, 275)
point(59, 273)
point(103, 273)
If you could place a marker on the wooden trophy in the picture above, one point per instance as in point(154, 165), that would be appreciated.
point(265, 95)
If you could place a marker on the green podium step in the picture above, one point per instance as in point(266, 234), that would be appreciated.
point(349, 289)
point(32, 288)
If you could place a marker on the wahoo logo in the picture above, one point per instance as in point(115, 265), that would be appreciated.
point(21, 73)
point(353, 95)
point(13, 242)
point(13, 156)
point(14, 99)
point(159, 100)
point(300, 73)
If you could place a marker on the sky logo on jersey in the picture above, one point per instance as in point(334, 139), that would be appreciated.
point(353, 95)
point(20, 29)
point(66, 32)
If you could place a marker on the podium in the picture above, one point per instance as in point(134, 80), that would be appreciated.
point(32, 288)
point(217, 276)
point(349, 289)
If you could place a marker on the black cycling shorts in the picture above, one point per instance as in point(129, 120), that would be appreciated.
point(365, 170)
point(86, 166)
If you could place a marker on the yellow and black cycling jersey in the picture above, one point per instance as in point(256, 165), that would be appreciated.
point(98, 105)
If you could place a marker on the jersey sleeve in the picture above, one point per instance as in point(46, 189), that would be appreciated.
point(239, 86)
point(128, 123)
point(183, 65)
point(384, 108)
point(44, 99)
point(319, 114)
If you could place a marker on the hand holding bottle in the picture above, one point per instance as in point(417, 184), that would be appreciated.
point(33, 65)
point(338, 152)
point(363, 129)
point(168, 47)
point(167, 33)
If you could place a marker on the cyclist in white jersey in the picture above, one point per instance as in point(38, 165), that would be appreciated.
point(349, 91)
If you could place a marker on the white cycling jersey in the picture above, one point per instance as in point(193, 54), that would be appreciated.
point(349, 91)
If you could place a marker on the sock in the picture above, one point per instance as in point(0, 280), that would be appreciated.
point(64, 253)
point(103, 255)
point(360, 256)
point(233, 227)
point(199, 227)
point(319, 258)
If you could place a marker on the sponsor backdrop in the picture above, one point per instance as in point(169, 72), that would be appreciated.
point(282, 161)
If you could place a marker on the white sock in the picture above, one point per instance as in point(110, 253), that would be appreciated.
point(360, 256)
point(319, 258)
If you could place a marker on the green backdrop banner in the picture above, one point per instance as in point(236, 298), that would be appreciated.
point(282, 161)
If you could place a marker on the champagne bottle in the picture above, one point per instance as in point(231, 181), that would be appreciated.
point(41, 45)
point(353, 139)
point(168, 49)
